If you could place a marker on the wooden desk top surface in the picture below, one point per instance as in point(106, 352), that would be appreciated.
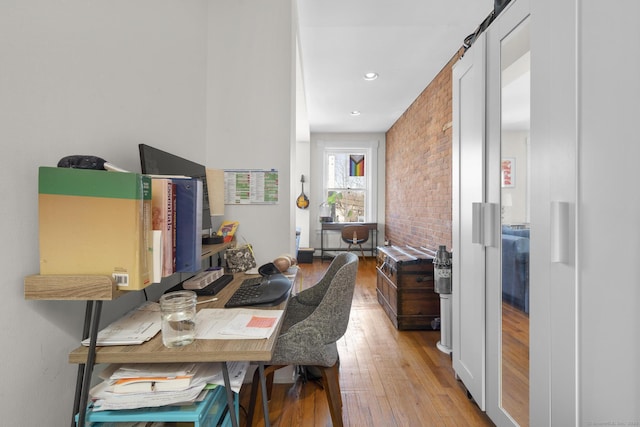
point(154, 351)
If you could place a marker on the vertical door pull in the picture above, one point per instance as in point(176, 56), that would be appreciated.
point(490, 223)
point(477, 223)
point(483, 226)
point(559, 232)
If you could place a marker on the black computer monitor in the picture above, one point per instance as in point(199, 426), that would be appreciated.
point(157, 162)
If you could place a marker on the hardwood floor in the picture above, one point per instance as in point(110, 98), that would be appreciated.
point(515, 363)
point(388, 377)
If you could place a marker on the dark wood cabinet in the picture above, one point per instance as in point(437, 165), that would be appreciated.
point(405, 286)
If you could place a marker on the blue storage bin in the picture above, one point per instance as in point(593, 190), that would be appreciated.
point(211, 412)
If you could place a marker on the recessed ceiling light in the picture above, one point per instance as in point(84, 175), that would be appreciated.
point(355, 113)
point(370, 76)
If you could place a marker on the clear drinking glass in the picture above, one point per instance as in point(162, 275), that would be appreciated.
point(178, 318)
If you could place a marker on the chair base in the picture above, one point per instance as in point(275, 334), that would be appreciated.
point(330, 384)
point(361, 250)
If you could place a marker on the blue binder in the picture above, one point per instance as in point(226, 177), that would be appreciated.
point(189, 194)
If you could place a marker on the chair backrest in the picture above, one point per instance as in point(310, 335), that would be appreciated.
point(360, 231)
point(314, 294)
point(331, 317)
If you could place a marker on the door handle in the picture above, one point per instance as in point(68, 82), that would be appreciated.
point(490, 217)
point(483, 223)
point(477, 223)
point(559, 232)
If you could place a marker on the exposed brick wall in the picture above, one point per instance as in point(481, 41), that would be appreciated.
point(418, 168)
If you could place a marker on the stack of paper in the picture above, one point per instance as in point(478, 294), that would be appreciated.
point(236, 323)
point(153, 385)
point(137, 326)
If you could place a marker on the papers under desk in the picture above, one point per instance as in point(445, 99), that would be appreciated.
point(209, 412)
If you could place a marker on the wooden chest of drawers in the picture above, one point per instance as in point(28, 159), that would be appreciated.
point(405, 286)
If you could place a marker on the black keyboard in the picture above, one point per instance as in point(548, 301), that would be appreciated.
point(251, 281)
point(261, 291)
point(211, 289)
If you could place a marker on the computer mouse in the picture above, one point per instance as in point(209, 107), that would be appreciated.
point(268, 269)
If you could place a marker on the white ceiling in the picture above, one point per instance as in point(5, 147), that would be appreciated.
point(407, 42)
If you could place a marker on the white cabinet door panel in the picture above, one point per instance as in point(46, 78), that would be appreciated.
point(468, 322)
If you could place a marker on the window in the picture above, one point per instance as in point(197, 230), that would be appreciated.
point(348, 184)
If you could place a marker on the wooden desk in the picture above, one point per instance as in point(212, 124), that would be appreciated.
point(94, 289)
point(153, 351)
point(338, 226)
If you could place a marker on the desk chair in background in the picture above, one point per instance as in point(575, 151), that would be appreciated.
point(355, 235)
point(314, 320)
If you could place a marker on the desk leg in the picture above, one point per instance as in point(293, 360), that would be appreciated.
point(265, 397)
point(227, 386)
point(76, 400)
point(85, 334)
point(83, 381)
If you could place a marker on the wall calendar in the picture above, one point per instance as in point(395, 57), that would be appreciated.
point(250, 186)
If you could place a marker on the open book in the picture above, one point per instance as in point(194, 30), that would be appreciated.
point(143, 378)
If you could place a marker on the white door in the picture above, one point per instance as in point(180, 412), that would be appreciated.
point(556, 150)
point(508, 184)
point(468, 295)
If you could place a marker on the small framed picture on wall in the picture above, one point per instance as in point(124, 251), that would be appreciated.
point(508, 170)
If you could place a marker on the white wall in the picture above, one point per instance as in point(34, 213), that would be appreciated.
point(302, 164)
point(251, 93)
point(303, 167)
point(98, 78)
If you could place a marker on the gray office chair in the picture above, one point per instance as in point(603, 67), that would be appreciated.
point(314, 320)
point(355, 235)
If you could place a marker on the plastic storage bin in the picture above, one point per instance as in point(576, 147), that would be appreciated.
point(211, 412)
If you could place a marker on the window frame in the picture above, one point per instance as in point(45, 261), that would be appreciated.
point(369, 150)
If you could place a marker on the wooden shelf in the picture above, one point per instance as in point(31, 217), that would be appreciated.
point(71, 287)
point(210, 250)
point(86, 287)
